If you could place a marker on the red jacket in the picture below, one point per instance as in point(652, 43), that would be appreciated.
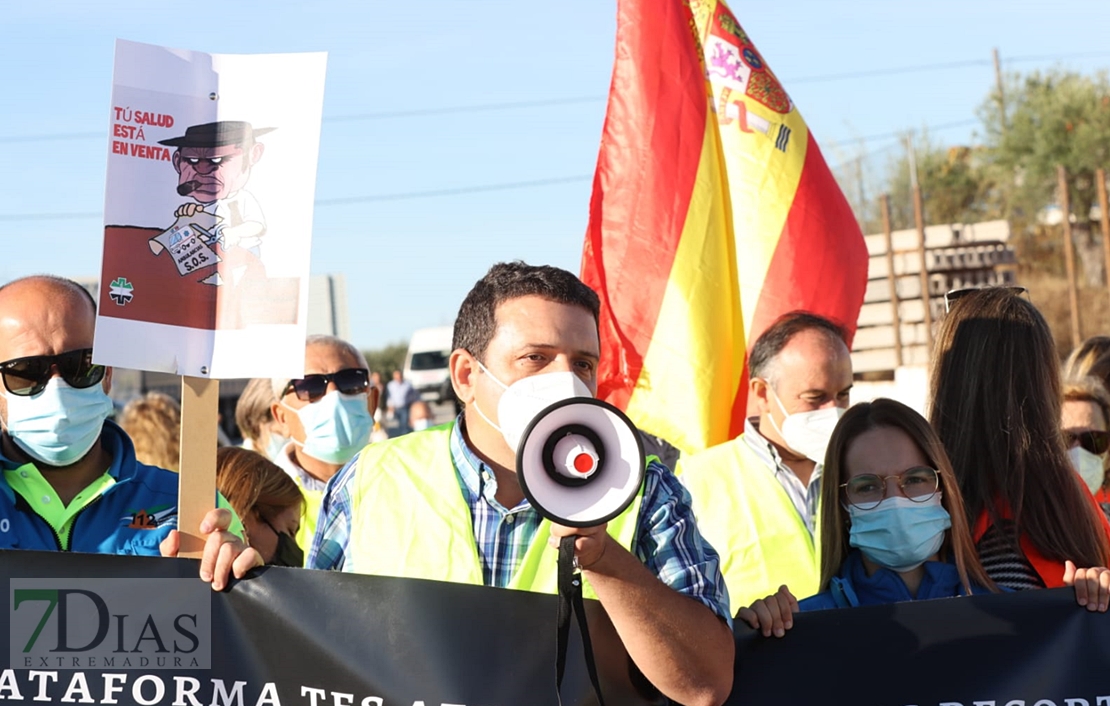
point(1051, 571)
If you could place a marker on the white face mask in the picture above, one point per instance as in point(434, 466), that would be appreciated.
point(1088, 466)
point(527, 397)
point(808, 433)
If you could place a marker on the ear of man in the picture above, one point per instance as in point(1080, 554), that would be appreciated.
point(279, 412)
point(463, 367)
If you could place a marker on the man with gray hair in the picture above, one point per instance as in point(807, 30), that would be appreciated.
point(755, 497)
point(327, 415)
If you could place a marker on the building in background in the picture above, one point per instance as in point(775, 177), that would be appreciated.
point(890, 352)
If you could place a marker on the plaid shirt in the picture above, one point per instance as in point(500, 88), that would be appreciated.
point(667, 539)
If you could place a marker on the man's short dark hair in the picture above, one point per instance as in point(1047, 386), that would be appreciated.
point(477, 319)
point(771, 342)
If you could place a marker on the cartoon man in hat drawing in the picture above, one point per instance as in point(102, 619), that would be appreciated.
point(213, 163)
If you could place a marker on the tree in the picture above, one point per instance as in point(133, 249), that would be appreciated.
point(954, 186)
point(386, 360)
point(1049, 119)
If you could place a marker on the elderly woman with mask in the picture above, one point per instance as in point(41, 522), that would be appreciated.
point(1085, 419)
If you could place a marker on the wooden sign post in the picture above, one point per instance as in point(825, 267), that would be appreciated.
point(200, 399)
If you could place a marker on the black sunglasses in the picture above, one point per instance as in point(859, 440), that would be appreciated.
point(952, 296)
point(1094, 441)
point(349, 381)
point(28, 376)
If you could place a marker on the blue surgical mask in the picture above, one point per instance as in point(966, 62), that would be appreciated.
point(899, 533)
point(276, 444)
point(336, 426)
point(59, 425)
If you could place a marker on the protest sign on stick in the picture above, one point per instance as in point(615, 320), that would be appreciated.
point(207, 227)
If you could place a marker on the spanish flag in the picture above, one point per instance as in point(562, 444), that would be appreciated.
point(713, 213)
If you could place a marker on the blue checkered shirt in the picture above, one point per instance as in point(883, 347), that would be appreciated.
point(667, 538)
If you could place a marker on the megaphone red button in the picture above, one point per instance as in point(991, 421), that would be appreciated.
point(584, 463)
point(575, 457)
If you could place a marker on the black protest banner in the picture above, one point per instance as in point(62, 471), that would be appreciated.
point(88, 629)
point(289, 636)
point(1035, 648)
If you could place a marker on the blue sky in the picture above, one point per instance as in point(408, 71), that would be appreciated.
point(396, 74)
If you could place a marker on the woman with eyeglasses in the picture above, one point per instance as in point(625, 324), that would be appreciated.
point(995, 402)
point(892, 521)
point(893, 524)
point(1085, 415)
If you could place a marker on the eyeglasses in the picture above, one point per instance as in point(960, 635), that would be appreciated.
point(866, 492)
point(956, 294)
point(28, 376)
point(349, 381)
point(1097, 442)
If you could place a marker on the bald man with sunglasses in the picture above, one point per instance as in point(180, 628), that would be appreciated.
point(70, 480)
point(328, 417)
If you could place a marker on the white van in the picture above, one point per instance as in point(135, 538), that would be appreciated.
point(426, 363)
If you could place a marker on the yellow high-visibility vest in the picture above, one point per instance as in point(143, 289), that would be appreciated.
point(410, 519)
point(748, 517)
point(312, 501)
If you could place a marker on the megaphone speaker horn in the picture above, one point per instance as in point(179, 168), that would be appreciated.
point(580, 462)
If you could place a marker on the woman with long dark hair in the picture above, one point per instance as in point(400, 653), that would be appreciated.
point(995, 396)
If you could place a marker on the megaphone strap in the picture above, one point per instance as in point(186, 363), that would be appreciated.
point(570, 601)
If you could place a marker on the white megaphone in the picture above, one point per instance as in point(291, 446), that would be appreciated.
point(580, 462)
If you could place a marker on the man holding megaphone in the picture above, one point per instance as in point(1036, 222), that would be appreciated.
point(448, 503)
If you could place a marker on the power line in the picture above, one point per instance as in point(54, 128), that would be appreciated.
point(942, 67)
point(344, 201)
point(889, 72)
point(518, 105)
point(385, 115)
point(455, 191)
point(901, 133)
point(340, 201)
point(480, 108)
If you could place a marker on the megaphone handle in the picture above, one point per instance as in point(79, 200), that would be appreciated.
point(570, 601)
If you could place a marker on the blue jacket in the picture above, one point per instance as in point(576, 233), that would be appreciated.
point(130, 517)
point(852, 587)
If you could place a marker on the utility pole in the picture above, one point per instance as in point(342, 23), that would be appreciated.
point(859, 183)
point(999, 85)
point(1069, 253)
point(919, 221)
point(892, 280)
point(1104, 208)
